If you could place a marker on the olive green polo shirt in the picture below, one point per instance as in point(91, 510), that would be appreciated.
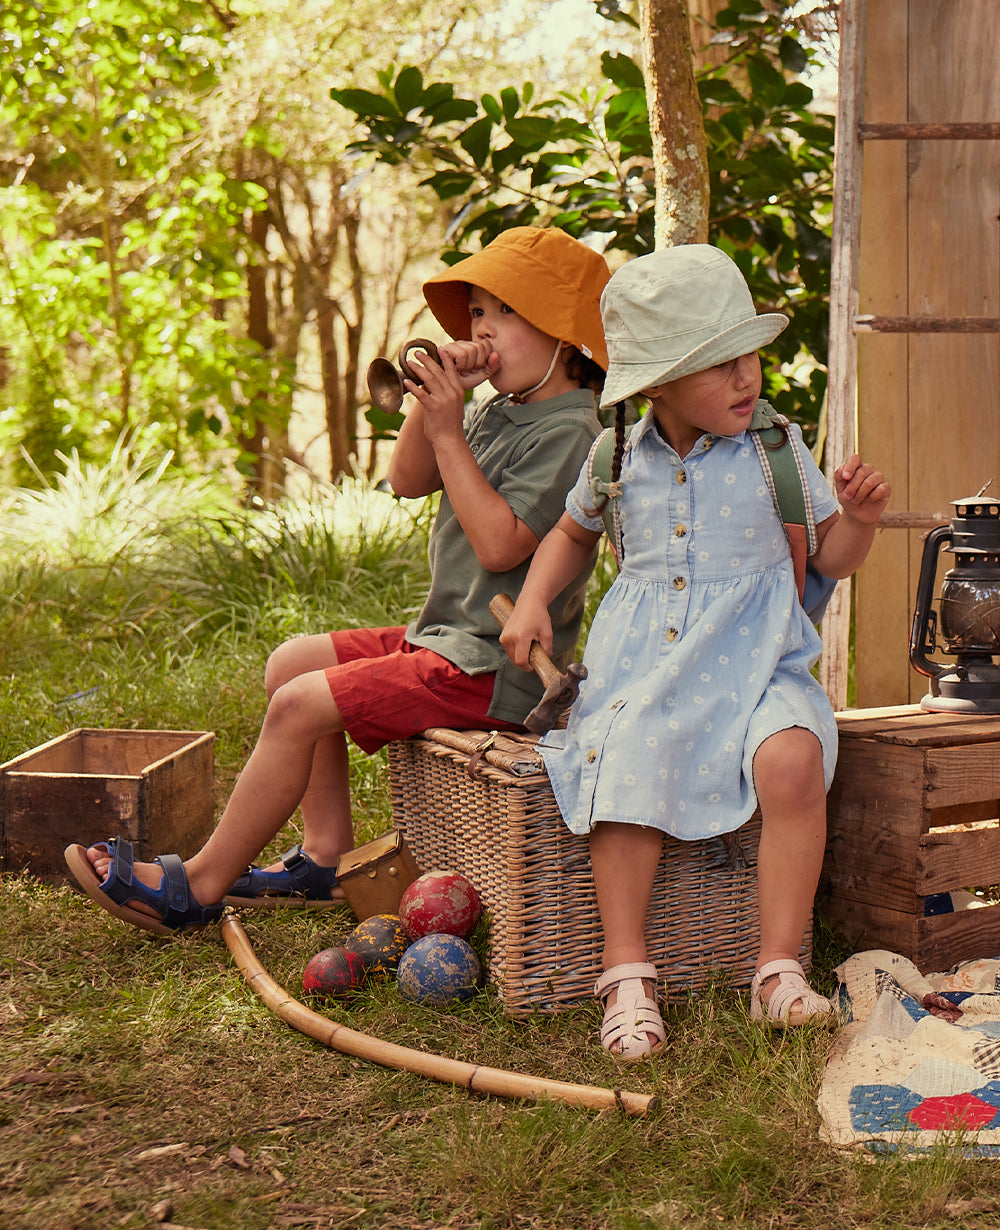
point(531, 455)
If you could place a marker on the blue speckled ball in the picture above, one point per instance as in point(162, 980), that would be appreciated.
point(437, 969)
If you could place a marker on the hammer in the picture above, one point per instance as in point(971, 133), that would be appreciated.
point(560, 690)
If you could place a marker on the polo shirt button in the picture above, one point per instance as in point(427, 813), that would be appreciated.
point(680, 531)
point(591, 756)
point(679, 583)
point(671, 634)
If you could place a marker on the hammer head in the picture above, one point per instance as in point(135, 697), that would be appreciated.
point(556, 699)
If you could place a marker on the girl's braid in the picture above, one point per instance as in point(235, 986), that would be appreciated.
point(619, 453)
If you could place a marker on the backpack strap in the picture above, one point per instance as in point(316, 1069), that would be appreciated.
point(786, 481)
point(783, 473)
point(604, 491)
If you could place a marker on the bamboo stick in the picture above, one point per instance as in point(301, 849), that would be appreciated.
point(471, 1076)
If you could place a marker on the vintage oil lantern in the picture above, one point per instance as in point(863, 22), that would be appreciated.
point(968, 611)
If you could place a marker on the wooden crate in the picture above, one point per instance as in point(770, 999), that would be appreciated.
point(152, 786)
point(492, 816)
point(913, 812)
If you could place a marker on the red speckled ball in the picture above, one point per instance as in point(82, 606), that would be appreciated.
point(440, 903)
point(333, 972)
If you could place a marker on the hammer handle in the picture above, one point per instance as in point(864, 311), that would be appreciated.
point(539, 661)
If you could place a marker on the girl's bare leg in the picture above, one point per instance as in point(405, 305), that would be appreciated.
point(788, 777)
point(624, 859)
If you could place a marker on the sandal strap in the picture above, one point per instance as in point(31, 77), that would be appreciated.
point(175, 888)
point(173, 901)
point(792, 988)
point(633, 1017)
point(301, 877)
point(611, 977)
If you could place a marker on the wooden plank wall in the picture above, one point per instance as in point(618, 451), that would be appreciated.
point(928, 404)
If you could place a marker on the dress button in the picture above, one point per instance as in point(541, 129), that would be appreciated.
point(671, 634)
point(591, 756)
point(680, 531)
point(679, 583)
point(681, 477)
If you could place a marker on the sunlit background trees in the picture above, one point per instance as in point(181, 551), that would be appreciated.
point(213, 216)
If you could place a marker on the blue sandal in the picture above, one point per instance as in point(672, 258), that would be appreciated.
point(176, 908)
point(300, 882)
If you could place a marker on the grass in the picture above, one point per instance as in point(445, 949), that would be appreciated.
point(144, 1082)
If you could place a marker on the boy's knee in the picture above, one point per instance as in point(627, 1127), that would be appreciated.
point(277, 671)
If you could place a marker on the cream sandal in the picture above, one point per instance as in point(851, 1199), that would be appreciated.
point(792, 989)
point(634, 1015)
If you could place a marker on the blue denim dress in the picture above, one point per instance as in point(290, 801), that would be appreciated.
point(700, 650)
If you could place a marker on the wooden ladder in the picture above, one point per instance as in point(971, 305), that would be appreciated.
point(847, 323)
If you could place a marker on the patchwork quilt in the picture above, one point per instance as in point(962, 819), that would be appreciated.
point(917, 1066)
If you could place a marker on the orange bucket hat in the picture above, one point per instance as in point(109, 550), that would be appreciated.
point(543, 274)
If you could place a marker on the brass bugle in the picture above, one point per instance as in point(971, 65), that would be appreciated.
point(386, 384)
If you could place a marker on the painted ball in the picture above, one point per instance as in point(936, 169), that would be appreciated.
point(440, 903)
point(379, 941)
point(438, 969)
point(333, 972)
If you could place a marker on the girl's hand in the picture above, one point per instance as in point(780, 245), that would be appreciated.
point(528, 622)
point(861, 489)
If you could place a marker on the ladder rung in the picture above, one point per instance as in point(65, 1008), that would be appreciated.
point(960, 130)
point(927, 324)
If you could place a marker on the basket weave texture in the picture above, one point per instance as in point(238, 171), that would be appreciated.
point(491, 815)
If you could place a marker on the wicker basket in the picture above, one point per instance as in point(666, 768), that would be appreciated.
point(490, 814)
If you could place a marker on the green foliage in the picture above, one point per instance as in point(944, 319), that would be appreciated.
point(583, 162)
point(120, 261)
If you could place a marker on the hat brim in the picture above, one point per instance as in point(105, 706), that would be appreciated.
point(625, 379)
point(553, 281)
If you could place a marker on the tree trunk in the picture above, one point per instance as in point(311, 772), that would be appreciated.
point(705, 53)
point(267, 476)
point(680, 156)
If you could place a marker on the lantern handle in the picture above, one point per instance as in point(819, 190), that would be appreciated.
point(923, 638)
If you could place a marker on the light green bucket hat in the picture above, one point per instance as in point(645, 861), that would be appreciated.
point(676, 312)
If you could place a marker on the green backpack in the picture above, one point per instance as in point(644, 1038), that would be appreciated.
point(785, 478)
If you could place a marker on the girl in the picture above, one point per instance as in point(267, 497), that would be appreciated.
point(698, 705)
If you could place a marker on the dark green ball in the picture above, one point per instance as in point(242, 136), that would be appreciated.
point(380, 942)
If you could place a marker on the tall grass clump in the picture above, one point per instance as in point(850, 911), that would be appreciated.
point(132, 596)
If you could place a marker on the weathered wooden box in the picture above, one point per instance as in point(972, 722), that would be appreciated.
point(152, 786)
point(914, 811)
point(489, 812)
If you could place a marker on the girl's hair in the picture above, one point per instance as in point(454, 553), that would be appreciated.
point(619, 453)
point(587, 373)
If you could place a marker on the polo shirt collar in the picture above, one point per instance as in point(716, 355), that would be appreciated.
point(527, 413)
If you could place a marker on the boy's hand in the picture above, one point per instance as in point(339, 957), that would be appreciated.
point(473, 362)
point(861, 489)
point(440, 394)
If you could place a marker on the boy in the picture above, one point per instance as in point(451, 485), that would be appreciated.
point(524, 314)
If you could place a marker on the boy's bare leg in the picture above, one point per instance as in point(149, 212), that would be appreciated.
point(788, 777)
point(300, 714)
point(326, 802)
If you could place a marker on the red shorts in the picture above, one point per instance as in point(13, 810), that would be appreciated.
point(386, 688)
